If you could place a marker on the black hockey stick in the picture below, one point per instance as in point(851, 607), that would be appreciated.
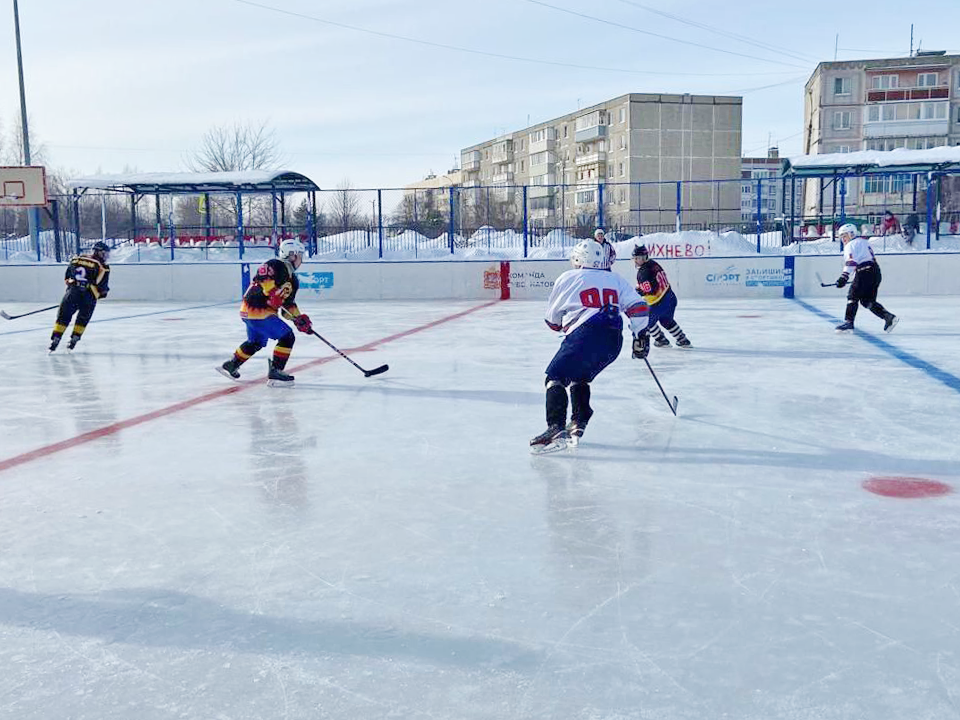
point(822, 283)
point(673, 405)
point(366, 373)
point(4, 315)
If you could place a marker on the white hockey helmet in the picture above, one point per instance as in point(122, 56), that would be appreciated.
point(291, 247)
point(847, 228)
point(599, 233)
point(590, 254)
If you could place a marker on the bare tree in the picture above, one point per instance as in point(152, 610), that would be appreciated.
point(240, 147)
point(13, 150)
point(344, 207)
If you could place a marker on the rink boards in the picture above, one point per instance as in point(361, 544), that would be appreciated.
point(716, 277)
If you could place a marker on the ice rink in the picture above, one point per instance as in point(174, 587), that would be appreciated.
point(174, 545)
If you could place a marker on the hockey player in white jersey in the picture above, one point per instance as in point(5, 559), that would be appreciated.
point(859, 261)
point(585, 305)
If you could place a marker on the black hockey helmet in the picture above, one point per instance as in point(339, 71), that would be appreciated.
point(101, 247)
point(641, 251)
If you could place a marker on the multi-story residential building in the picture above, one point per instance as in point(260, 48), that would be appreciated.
point(767, 195)
point(629, 151)
point(907, 102)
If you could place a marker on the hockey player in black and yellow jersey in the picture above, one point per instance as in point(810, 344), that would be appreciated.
point(87, 279)
point(272, 289)
point(652, 283)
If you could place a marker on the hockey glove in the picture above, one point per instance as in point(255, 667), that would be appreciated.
point(302, 323)
point(842, 280)
point(641, 345)
point(275, 298)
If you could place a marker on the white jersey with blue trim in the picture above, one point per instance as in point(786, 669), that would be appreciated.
point(856, 252)
point(579, 294)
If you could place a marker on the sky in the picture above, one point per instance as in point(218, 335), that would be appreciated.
point(380, 93)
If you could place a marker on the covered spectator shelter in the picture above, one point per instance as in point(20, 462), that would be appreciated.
point(275, 183)
point(932, 163)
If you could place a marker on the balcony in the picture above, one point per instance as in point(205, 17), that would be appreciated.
point(502, 179)
point(588, 134)
point(470, 161)
point(594, 158)
point(537, 146)
point(915, 93)
point(537, 191)
point(906, 128)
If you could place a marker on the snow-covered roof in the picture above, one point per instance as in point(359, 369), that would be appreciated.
point(181, 182)
point(865, 162)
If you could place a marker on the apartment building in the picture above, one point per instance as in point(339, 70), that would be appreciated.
point(907, 102)
point(629, 152)
point(767, 195)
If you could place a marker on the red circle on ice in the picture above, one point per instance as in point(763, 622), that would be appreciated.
point(906, 487)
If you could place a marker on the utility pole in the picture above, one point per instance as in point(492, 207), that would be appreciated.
point(33, 214)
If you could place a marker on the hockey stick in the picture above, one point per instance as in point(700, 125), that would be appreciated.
point(822, 283)
point(366, 373)
point(4, 315)
point(673, 405)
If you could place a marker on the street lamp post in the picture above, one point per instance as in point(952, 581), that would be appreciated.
point(33, 215)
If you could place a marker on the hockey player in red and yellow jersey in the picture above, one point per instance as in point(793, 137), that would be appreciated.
point(652, 283)
point(87, 280)
point(272, 289)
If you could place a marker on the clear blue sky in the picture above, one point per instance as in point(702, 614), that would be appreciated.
point(381, 92)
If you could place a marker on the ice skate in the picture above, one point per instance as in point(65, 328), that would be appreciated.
point(661, 341)
point(53, 344)
point(684, 343)
point(552, 439)
point(74, 339)
point(890, 322)
point(229, 369)
point(278, 378)
point(845, 327)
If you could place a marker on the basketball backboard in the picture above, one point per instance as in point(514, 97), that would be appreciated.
point(23, 186)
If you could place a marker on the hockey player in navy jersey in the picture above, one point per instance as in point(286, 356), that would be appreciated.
point(585, 305)
point(859, 261)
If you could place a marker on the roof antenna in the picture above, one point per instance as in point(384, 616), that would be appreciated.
point(911, 39)
point(836, 43)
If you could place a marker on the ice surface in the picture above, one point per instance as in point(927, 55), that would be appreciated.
point(388, 547)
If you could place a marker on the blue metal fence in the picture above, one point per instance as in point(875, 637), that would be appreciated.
point(492, 220)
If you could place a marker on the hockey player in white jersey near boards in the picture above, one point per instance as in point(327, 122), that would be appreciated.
point(859, 261)
point(585, 305)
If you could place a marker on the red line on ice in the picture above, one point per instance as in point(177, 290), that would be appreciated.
point(113, 429)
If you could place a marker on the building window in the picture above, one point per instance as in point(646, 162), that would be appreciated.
point(884, 82)
point(928, 79)
point(873, 113)
point(621, 170)
point(841, 86)
point(843, 148)
point(623, 114)
point(934, 111)
point(841, 120)
point(623, 142)
point(584, 197)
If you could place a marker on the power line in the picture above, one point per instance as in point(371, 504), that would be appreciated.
point(657, 35)
point(501, 56)
point(752, 41)
point(744, 91)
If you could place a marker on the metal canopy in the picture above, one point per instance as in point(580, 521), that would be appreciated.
point(874, 162)
point(252, 181)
